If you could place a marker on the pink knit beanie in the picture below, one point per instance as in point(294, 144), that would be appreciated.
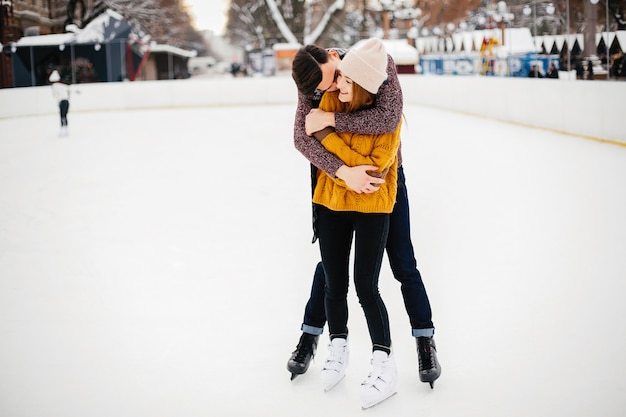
point(366, 65)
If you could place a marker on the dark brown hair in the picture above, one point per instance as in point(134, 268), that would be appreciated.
point(306, 71)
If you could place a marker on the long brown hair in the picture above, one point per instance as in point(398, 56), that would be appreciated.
point(361, 99)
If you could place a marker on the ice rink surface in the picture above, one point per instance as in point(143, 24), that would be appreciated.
point(156, 263)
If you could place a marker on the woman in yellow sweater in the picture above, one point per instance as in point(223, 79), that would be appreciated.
point(344, 214)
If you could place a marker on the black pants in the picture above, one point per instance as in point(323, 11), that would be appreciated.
point(64, 107)
point(336, 230)
point(404, 268)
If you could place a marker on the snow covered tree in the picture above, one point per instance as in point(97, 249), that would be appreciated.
point(166, 21)
point(261, 23)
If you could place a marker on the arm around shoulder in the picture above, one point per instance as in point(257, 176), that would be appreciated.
point(385, 116)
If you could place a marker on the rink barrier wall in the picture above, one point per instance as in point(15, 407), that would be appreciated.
point(32, 101)
point(592, 109)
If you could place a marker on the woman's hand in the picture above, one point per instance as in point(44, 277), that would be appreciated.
point(358, 179)
point(317, 120)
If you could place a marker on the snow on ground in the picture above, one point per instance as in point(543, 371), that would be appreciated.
point(157, 263)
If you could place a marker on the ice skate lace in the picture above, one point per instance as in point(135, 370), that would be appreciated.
point(304, 349)
point(335, 358)
point(426, 359)
point(377, 376)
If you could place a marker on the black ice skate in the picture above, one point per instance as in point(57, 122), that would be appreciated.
point(429, 368)
point(301, 357)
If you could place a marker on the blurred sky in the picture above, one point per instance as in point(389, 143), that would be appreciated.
point(208, 14)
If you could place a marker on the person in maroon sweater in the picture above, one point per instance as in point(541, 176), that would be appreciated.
point(314, 72)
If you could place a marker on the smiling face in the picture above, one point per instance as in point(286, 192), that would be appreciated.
point(346, 88)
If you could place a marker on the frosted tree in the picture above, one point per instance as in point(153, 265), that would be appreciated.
point(257, 23)
point(316, 32)
point(165, 21)
point(144, 13)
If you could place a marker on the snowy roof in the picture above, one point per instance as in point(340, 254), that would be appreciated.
point(104, 28)
point(399, 49)
point(621, 38)
point(286, 46)
point(602, 36)
point(173, 50)
point(45, 40)
point(560, 42)
point(516, 41)
point(463, 41)
point(573, 38)
point(548, 41)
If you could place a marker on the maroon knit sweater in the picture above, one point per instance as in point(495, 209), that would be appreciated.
point(383, 117)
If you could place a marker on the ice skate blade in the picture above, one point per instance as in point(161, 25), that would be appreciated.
point(365, 406)
point(329, 387)
point(297, 370)
point(296, 373)
point(429, 380)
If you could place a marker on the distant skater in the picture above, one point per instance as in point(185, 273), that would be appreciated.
point(61, 93)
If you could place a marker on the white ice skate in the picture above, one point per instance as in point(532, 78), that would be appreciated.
point(381, 382)
point(335, 366)
point(63, 132)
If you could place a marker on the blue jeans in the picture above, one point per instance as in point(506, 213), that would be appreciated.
point(403, 265)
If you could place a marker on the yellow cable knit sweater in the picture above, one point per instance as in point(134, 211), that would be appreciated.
point(358, 149)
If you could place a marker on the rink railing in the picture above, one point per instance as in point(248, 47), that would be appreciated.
point(592, 109)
